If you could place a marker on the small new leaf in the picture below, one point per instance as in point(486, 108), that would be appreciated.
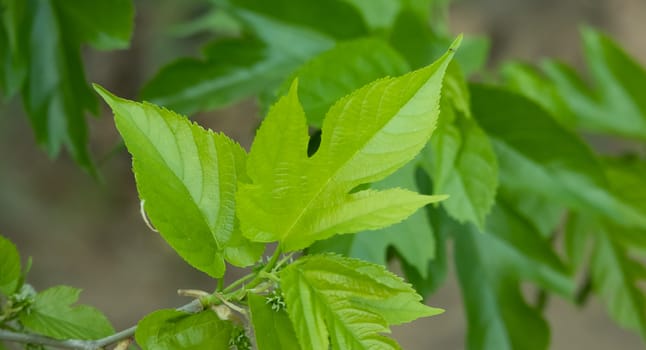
point(172, 329)
point(366, 136)
point(53, 315)
point(347, 303)
point(187, 177)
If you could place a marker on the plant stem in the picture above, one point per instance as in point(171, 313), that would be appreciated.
point(238, 282)
point(283, 260)
point(270, 265)
point(195, 306)
point(79, 344)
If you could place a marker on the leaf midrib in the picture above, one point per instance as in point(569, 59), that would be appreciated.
point(194, 203)
point(325, 303)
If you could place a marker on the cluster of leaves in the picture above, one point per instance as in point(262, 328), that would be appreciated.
point(216, 204)
point(510, 154)
point(51, 312)
point(602, 192)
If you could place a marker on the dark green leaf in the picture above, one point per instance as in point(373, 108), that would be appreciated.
point(528, 81)
point(544, 214)
point(53, 315)
point(234, 69)
point(627, 182)
point(56, 95)
point(490, 268)
point(577, 231)
point(618, 89)
point(354, 63)
point(414, 39)
point(537, 155)
point(171, 329)
point(42, 40)
point(104, 24)
point(617, 278)
point(13, 47)
point(272, 328)
point(9, 267)
point(310, 15)
point(377, 14)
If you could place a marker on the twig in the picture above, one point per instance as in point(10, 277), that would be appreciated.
point(78, 344)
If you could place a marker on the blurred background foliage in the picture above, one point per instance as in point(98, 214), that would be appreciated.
point(86, 231)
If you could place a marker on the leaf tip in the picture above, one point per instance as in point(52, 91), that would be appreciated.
point(106, 95)
point(434, 311)
point(293, 87)
point(456, 43)
point(437, 198)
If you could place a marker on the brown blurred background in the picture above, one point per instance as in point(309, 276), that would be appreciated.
point(90, 235)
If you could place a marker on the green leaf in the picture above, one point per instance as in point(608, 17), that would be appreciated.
point(544, 214)
point(347, 303)
point(13, 66)
point(576, 239)
point(366, 136)
point(55, 93)
point(531, 83)
point(172, 329)
point(105, 24)
point(414, 39)
point(627, 183)
point(9, 267)
point(312, 15)
point(354, 63)
point(187, 178)
point(466, 169)
point(377, 14)
point(473, 56)
point(413, 238)
point(234, 69)
point(462, 159)
point(490, 269)
point(618, 89)
point(53, 315)
point(563, 170)
point(617, 278)
point(43, 61)
point(272, 328)
point(442, 228)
